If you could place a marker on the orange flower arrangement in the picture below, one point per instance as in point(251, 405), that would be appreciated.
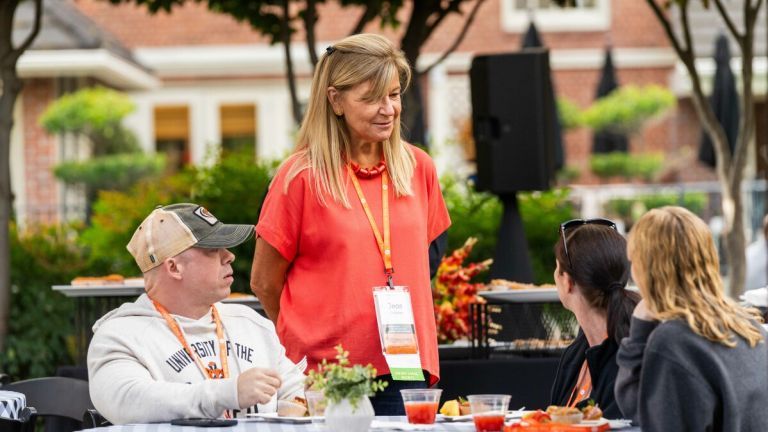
point(453, 292)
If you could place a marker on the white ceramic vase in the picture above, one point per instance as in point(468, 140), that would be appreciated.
point(343, 416)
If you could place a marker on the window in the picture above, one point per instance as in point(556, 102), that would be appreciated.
point(238, 129)
point(172, 135)
point(583, 15)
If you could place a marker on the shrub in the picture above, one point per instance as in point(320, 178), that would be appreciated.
point(630, 209)
point(232, 189)
point(570, 114)
point(628, 166)
point(94, 111)
point(117, 214)
point(627, 108)
point(116, 161)
point(473, 214)
point(40, 331)
point(114, 172)
point(478, 214)
point(542, 214)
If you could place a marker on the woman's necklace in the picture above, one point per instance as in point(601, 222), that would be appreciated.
point(368, 172)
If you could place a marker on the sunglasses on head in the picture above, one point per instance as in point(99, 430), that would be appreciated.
point(573, 223)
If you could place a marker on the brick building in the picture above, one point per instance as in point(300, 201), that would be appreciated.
point(214, 82)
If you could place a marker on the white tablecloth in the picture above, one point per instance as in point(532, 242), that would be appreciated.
point(256, 425)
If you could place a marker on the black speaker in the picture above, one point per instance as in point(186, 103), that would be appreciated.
point(512, 120)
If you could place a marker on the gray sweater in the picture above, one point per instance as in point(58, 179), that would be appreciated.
point(671, 379)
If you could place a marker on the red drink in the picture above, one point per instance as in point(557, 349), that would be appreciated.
point(421, 412)
point(489, 422)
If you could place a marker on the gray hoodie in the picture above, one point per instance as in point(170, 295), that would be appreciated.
point(671, 379)
point(140, 373)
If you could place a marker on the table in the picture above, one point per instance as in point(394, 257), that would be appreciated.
point(93, 301)
point(259, 426)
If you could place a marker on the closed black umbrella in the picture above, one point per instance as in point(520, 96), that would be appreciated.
point(608, 141)
point(724, 100)
point(533, 40)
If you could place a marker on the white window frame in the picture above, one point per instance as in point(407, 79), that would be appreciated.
point(558, 19)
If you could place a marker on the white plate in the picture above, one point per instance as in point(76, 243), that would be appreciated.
point(274, 418)
point(620, 423)
point(468, 417)
point(523, 295)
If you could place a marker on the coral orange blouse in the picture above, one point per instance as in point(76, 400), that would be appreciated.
point(327, 298)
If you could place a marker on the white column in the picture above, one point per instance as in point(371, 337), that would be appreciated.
point(446, 152)
point(142, 122)
point(18, 184)
point(197, 130)
point(211, 128)
point(439, 113)
point(275, 124)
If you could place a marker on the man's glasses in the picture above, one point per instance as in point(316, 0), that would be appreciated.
point(573, 223)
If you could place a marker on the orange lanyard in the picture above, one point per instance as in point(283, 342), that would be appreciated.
point(207, 373)
point(384, 244)
point(584, 386)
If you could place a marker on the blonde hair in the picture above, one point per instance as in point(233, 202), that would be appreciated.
point(678, 273)
point(323, 144)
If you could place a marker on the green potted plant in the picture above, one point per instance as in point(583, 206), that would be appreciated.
point(346, 388)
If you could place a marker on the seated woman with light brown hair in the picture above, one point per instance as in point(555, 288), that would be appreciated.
point(694, 360)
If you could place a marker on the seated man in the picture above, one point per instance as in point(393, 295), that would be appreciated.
point(176, 352)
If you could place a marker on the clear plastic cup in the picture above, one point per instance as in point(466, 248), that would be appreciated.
point(488, 411)
point(316, 404)
point(421, 405)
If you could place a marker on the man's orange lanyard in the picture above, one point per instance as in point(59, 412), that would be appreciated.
point(584, 386)
point(384, 244)
point(176, 330)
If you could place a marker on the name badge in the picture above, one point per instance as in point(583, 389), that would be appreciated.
point(397, 332)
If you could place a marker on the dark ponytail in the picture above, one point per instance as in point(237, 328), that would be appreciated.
point(598, 264)
point(621, 304)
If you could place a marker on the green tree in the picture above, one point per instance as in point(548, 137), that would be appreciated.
point(40, 325)
point(628, 108)
point(730, 166)
point(278, 20)
point(11, 86)
point(117, 161)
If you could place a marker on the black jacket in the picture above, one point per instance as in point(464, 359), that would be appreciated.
point(601, 360)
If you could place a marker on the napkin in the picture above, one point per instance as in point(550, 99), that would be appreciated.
point(756, 297)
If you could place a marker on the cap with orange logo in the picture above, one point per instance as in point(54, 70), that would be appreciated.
point(170, 230)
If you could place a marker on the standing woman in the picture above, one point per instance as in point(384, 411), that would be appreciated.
point(591, 277)
point(353, 208)
point(694, 359)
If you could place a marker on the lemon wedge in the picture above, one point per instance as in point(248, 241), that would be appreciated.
point(450, 408)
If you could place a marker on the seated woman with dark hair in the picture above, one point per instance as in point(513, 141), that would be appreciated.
point(591, 276)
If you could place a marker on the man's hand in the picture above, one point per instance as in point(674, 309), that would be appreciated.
point(642, 312)
point(256, 386)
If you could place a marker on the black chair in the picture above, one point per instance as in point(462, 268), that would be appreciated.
point(92, 419)
point(64, 400)
point(26, 422)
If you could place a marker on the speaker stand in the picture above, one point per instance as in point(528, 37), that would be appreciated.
point(512, 261)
